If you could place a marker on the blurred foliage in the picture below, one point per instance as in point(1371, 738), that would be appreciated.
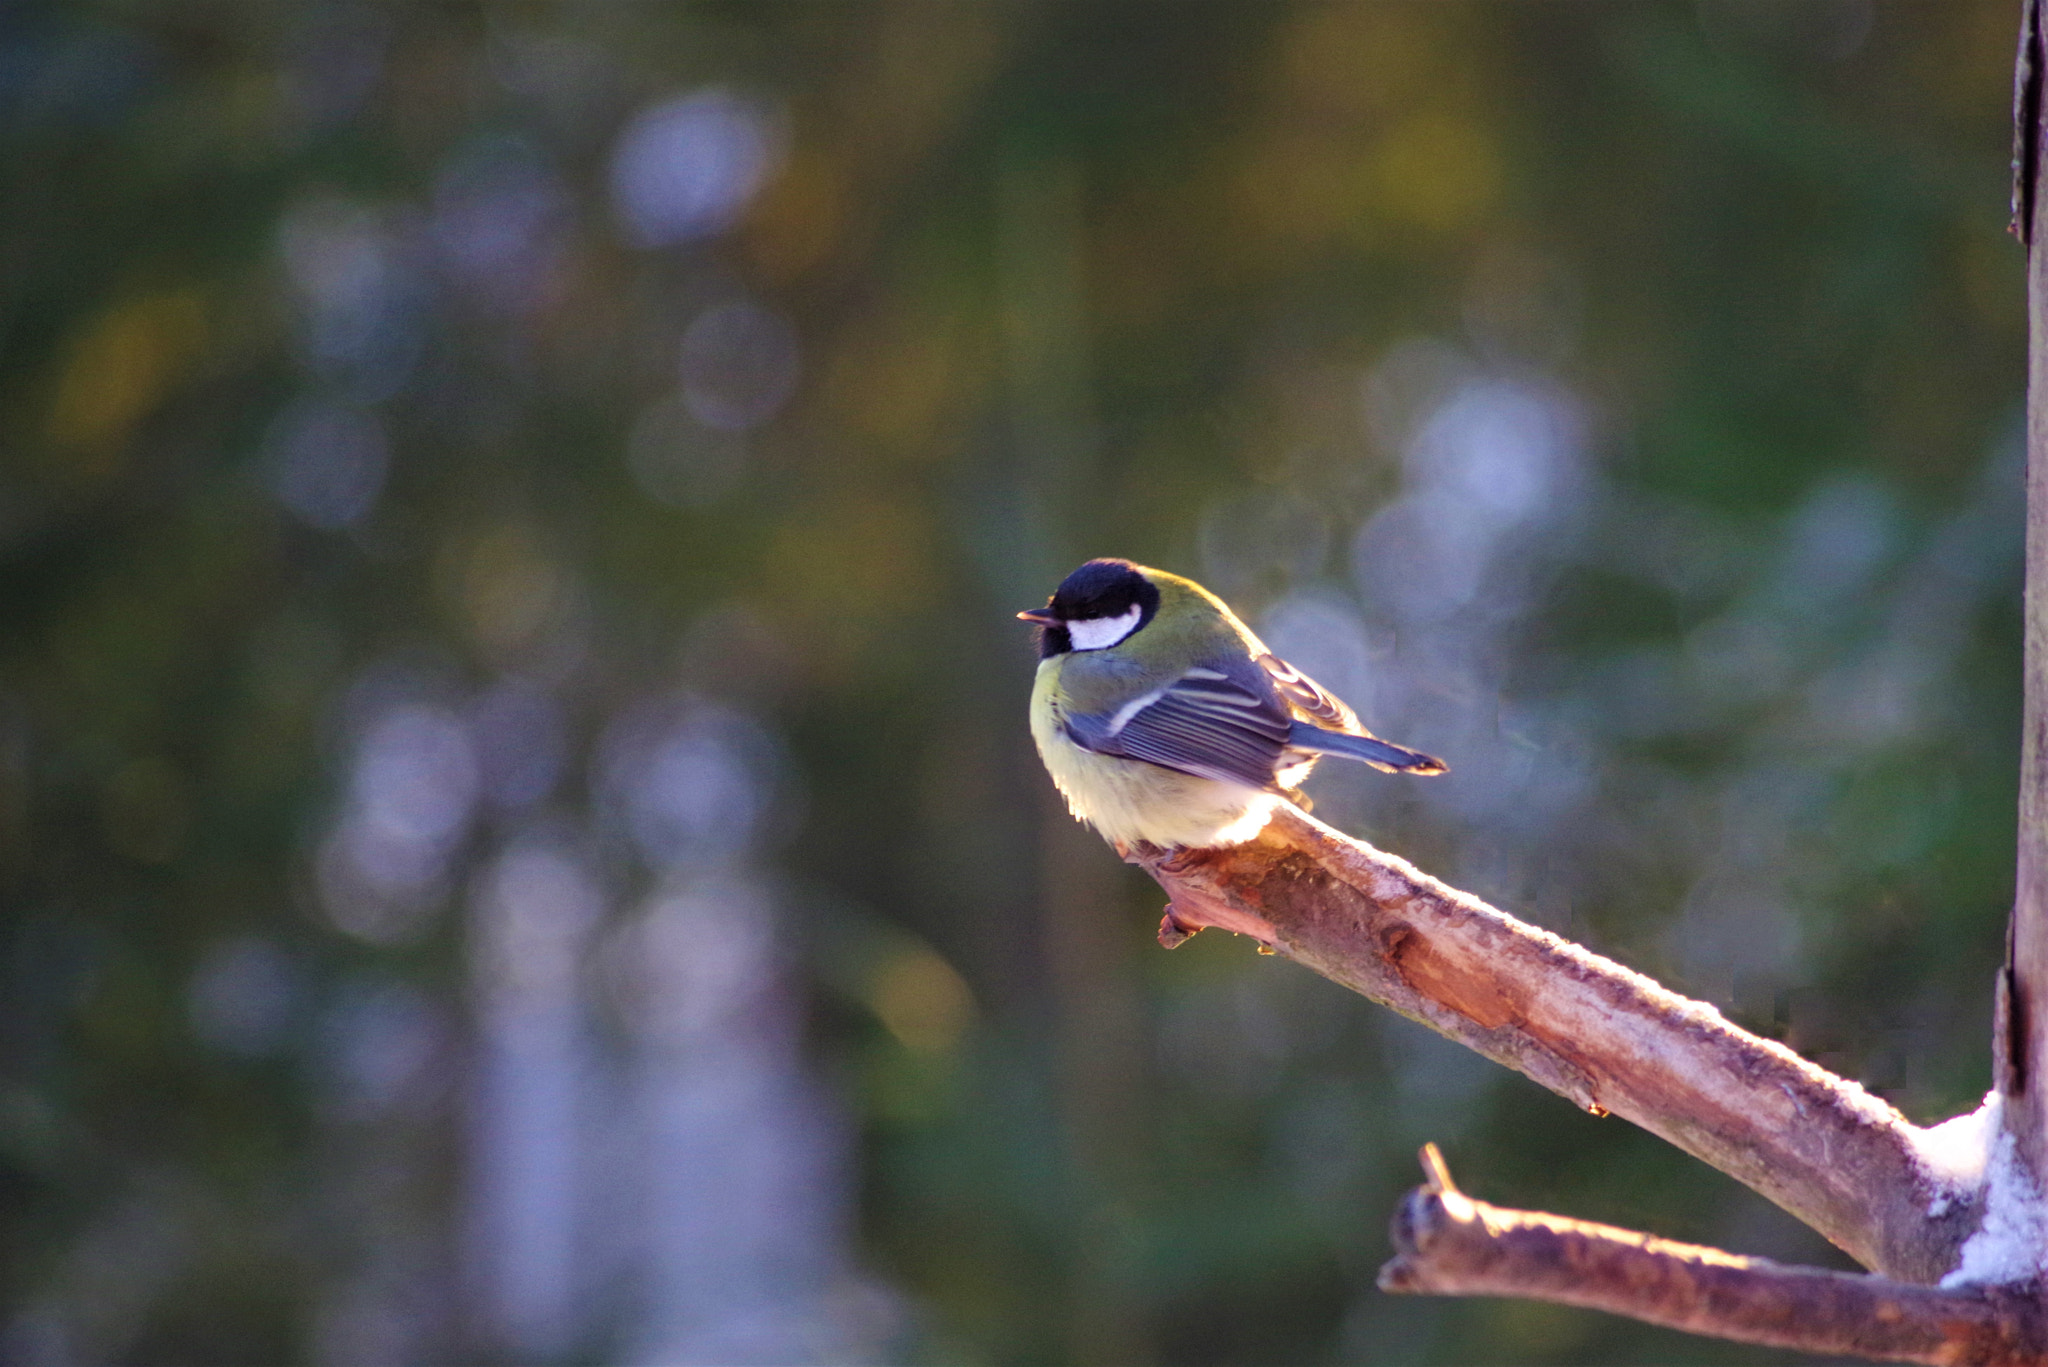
point(405, 404)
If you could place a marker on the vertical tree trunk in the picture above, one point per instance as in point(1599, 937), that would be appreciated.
point(2022, 1023)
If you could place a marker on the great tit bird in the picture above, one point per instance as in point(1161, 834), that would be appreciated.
point(1163, 719)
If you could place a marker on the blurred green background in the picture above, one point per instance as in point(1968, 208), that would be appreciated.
point(518, 841)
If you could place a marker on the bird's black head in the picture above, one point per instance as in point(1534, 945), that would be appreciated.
point(1096, 606)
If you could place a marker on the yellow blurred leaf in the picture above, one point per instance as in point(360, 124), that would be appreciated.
point(798, 217)
point(922, 1001)
point(118, 369)
point(1438, 171)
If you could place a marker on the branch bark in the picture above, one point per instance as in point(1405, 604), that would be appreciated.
point(1608, 1038)
point(2022, 1029)
point(1447, 1244)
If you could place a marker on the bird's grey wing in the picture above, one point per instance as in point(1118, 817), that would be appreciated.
point(1308, 697)
point(1203, 723)
point(1331, 728)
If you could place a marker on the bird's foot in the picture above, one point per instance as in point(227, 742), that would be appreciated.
point(1173, 932)
point(1193, 910)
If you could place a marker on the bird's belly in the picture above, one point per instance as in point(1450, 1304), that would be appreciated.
point(1130, 801)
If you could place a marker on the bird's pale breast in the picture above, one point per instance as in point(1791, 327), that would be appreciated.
point(1131, 801)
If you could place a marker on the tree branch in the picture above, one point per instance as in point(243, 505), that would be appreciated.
point(1447, 1244)
point(2022, 1043)
point(1610, 1039)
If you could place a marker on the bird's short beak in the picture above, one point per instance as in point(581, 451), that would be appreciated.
point(1039, 617)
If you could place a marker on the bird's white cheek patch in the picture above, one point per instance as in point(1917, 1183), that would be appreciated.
point(1100, 633)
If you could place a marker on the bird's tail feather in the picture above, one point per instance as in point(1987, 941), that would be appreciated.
point(1371, 749)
